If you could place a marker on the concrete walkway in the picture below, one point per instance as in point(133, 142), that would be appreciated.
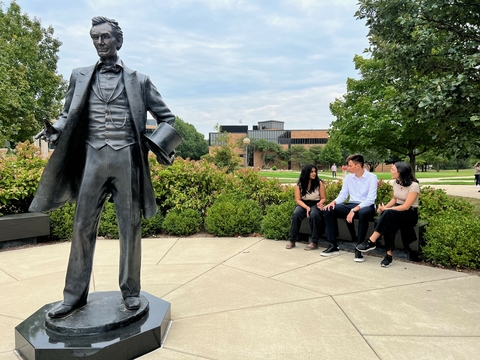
point(250, 298)
point(470, 191)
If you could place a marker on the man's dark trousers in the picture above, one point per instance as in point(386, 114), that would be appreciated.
point(107, 172)
point(364, 216)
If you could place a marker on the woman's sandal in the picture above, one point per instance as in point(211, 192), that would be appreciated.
point(311, 246)
point(290, 245)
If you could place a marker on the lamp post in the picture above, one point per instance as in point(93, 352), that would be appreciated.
point(246, 142)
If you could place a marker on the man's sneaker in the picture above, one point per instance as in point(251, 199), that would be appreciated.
point(358, 257)
point(331, 250)
point(387, 260)
point(367, 245)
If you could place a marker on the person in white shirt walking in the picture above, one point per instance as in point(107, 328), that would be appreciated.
point(361, 187)
point(334, 170)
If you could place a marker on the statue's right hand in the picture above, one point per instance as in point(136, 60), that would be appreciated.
point(49, 134)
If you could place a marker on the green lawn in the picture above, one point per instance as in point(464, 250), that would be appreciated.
point(448, 177)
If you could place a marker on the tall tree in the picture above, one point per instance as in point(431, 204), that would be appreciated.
point(194, 145)
point(331, 153)
point(300, 155)
point(30, 88)
point(375, 114)
point(431, 48)
point(316, 154)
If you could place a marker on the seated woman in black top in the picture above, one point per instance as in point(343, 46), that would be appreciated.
point(310, 195)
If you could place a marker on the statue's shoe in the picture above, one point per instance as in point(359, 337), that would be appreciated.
point(132, 302)
point(63, 310)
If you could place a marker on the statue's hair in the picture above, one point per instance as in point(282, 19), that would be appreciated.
point(98, 20)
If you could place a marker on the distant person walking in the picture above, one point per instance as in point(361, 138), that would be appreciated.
point(344, 170)
point(477, 174)
point(334, 170)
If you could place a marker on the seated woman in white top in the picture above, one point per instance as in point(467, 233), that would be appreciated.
point(401, 211)
point(310, 196)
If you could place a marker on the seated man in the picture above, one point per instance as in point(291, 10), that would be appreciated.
point(361, 186)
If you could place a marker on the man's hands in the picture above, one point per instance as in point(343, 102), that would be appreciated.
point(350, 216)
point(330, 206)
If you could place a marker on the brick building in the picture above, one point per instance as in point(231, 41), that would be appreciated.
point(272, 131)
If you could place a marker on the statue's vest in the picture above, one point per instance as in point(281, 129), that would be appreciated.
point(110, 121)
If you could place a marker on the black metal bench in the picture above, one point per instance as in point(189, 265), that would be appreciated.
point(21, 229)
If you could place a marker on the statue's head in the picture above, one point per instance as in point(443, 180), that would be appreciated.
point(107, 37)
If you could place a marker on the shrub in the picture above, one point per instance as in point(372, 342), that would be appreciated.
point(20, 174)
point(153, 225)
point(252, 185)
point(277, 221)
point(453, 240)
point(233, 214)
point(384, 192)
point(61, 222)
point(185, 222)
point(333, 189)
point(187, 184)
point(436, 203)
point(108, 226)
point(274, 168)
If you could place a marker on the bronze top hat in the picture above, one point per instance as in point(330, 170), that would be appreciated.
point(163, 142)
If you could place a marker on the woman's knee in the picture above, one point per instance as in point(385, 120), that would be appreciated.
point(299, 213)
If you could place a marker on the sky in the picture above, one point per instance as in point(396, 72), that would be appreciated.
point(224, 62)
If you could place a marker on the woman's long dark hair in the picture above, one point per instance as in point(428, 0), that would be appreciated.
point(405, 173)
point(305, 178)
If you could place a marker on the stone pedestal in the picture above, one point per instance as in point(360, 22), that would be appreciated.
point(103, 329)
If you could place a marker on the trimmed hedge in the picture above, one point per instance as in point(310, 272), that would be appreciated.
point(233, 215)
point(184, 223)
point(276, 223)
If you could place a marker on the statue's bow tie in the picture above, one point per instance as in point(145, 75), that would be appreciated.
point(112, 68)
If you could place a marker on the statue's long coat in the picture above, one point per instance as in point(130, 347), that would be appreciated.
point(62, 176)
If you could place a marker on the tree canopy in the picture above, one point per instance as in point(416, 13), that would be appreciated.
point(194, 145)
point(419, 86)
point(30, 88)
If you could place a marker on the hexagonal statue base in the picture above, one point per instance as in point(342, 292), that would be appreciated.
point(103, 329)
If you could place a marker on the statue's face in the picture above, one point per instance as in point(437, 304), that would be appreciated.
point(104, 41)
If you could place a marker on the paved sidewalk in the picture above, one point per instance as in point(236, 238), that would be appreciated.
point(469, 191)
point(250, 298)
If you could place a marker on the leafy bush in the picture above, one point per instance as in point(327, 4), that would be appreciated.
point(453, 240)
point(277, 221)
point(436, 203)
point(384, 192)
point(187, 184)
point(61, 222)
point(185, 222)
point(274, 168)
point(108, 226)
point(249, 182)
point(153, 225)
point(20, 174)
point(232, 214)
point(333, 189)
